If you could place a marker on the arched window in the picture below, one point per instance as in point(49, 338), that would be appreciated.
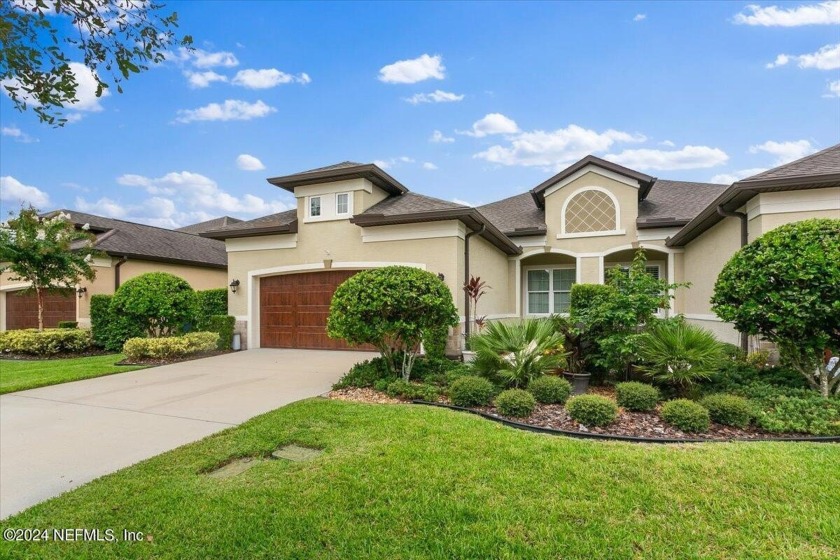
point(591, 210)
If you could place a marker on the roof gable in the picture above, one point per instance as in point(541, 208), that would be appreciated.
point(340, 172)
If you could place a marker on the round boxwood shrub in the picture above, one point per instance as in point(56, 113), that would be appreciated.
point(729, 410)
point(471, 390)
point(517, 403)
point(636, 396)
point(549, 389)
point(686, 415)
point(158, 302)
point(592, 410)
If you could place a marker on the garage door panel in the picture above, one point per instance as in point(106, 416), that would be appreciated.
point(294, 309)
point(22, 309)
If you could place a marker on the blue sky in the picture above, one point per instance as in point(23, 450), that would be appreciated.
point(464, 101)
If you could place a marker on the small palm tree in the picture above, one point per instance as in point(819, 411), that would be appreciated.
point(516, 353)
point(679, 354)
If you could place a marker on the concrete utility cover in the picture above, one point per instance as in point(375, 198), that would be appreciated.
point(296, 453)
point(235, 467)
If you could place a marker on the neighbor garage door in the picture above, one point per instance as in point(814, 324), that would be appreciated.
point(22, 309)
point(294, 310)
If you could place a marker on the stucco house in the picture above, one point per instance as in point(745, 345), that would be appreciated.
point(129, 249)
point(530, 248)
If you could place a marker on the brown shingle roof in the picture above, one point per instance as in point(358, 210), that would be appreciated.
point(676, 201)
point(517, 215)
point(121, 238)
point(409, 203)
point(824, 162)
point(340, 172)
point(282, 222)
point(209, 225)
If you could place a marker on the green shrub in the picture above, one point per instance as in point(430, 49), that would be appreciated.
point(678, 353)
point(517, 403)
point(585, 296)
point(592, 410)
point(514, 353)
point(158, 302)
point(223, 326)
point(686, 415)
point(412, 391)
point(636, 396)
point(103, 326)
point(434, 341)
point(207, 304)
point(550, 389)
point(366, 374)
point(391, 308)
point(45, 343)
point(729, 410)
point(806, 414)
point(68, 324)
point(471, 390)
point(167, 347)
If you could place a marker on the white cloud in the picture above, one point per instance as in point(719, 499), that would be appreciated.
point(833, 89)
point(640, 17)
point(414, 70)
point(826, 58)
point(437, 96)
point(230, 110)
point(102, 207)
point(430, 166)
point(248, 162)
point(17, 134)
point(267, 78)
point(492, 123)
point(203, 79)
point(86, 99)
point(667, 143)
point(381, 163)
point(729, 178)
point(439, 137)
point(785, 152)
point(687, 157)
point(12, 190)
point(206, 59)
point(555, 149)
point(825, 13)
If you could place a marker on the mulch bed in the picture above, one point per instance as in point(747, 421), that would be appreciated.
point(554, 416)
point(153, 362)
point(61, 356)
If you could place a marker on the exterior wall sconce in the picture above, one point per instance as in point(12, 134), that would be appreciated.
point(80, 291)
point(234, 285)
point(441, 276)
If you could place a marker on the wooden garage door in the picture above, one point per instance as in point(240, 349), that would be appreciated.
point(22, 309)
point(294, 310)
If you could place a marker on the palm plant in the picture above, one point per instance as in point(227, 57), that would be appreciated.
point(516, 353)
point(679, 354)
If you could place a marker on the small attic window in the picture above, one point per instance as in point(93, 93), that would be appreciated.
point(590, 211)
point(342, 204)
point(314, 206)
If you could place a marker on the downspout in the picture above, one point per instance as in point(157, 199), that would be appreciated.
point(467, 279)
point(744, 240)
point(117, 272)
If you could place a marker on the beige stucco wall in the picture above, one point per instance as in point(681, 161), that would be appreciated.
point(491, 265)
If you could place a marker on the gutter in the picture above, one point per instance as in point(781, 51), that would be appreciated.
point(744, 240)
point(467, 279)
point(117, 266)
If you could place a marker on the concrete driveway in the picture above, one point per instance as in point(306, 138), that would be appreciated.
point(56, 438)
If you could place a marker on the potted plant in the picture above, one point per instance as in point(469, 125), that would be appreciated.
point(474, 289)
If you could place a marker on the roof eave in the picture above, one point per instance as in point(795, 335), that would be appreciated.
point(368, 171)
point(185, 262)
point(251, 232)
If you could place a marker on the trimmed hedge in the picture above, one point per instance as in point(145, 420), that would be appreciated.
point(412, 391)
point(729, 410)
point(223, 325)
point(109, 330)
point(471, 390)
point(639, 397)
point(209, 303)
point(550, 389)
point(592, 410)
point(170, 346)
point(517, 403)
point(686, 415)
point(434, 342)
point(584, 296)
point(45, 343)
point(68, 324)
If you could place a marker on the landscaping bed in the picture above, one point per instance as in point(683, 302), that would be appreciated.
point(171, 360)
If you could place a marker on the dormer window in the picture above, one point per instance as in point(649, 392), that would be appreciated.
point(314, 206)
point(342, 204)
point(590, 212)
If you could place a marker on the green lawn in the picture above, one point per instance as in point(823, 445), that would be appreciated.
point(17, 375)
point(403, 481)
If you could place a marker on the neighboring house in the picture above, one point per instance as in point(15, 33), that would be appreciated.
point(209, 225)
point(129, 249)
point(529, 248)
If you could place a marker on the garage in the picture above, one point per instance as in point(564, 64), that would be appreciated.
point(294, 310)
point(22, 309)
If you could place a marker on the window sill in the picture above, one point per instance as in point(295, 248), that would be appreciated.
point(591, 234)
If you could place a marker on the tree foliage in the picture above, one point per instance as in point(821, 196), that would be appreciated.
point(39, 39)
point(159, 302)
point(391, 308)
point(47, 251)
point(785, 286)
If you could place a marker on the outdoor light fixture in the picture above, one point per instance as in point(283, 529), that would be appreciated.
point(234, 285)
point(441, 276)
point(81, 291)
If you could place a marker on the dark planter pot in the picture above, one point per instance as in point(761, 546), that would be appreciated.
point(579, 381)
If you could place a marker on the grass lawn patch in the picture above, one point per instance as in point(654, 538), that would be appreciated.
point(17, 375)
point(402, 481)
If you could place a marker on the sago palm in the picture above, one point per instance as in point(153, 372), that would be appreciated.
point(680, 354)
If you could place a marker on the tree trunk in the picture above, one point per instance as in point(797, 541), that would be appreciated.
point(39, 295)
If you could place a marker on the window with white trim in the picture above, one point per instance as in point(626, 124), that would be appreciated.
point(342, 204)
point(548, 290)
point(652, 269)
point(314, 206)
